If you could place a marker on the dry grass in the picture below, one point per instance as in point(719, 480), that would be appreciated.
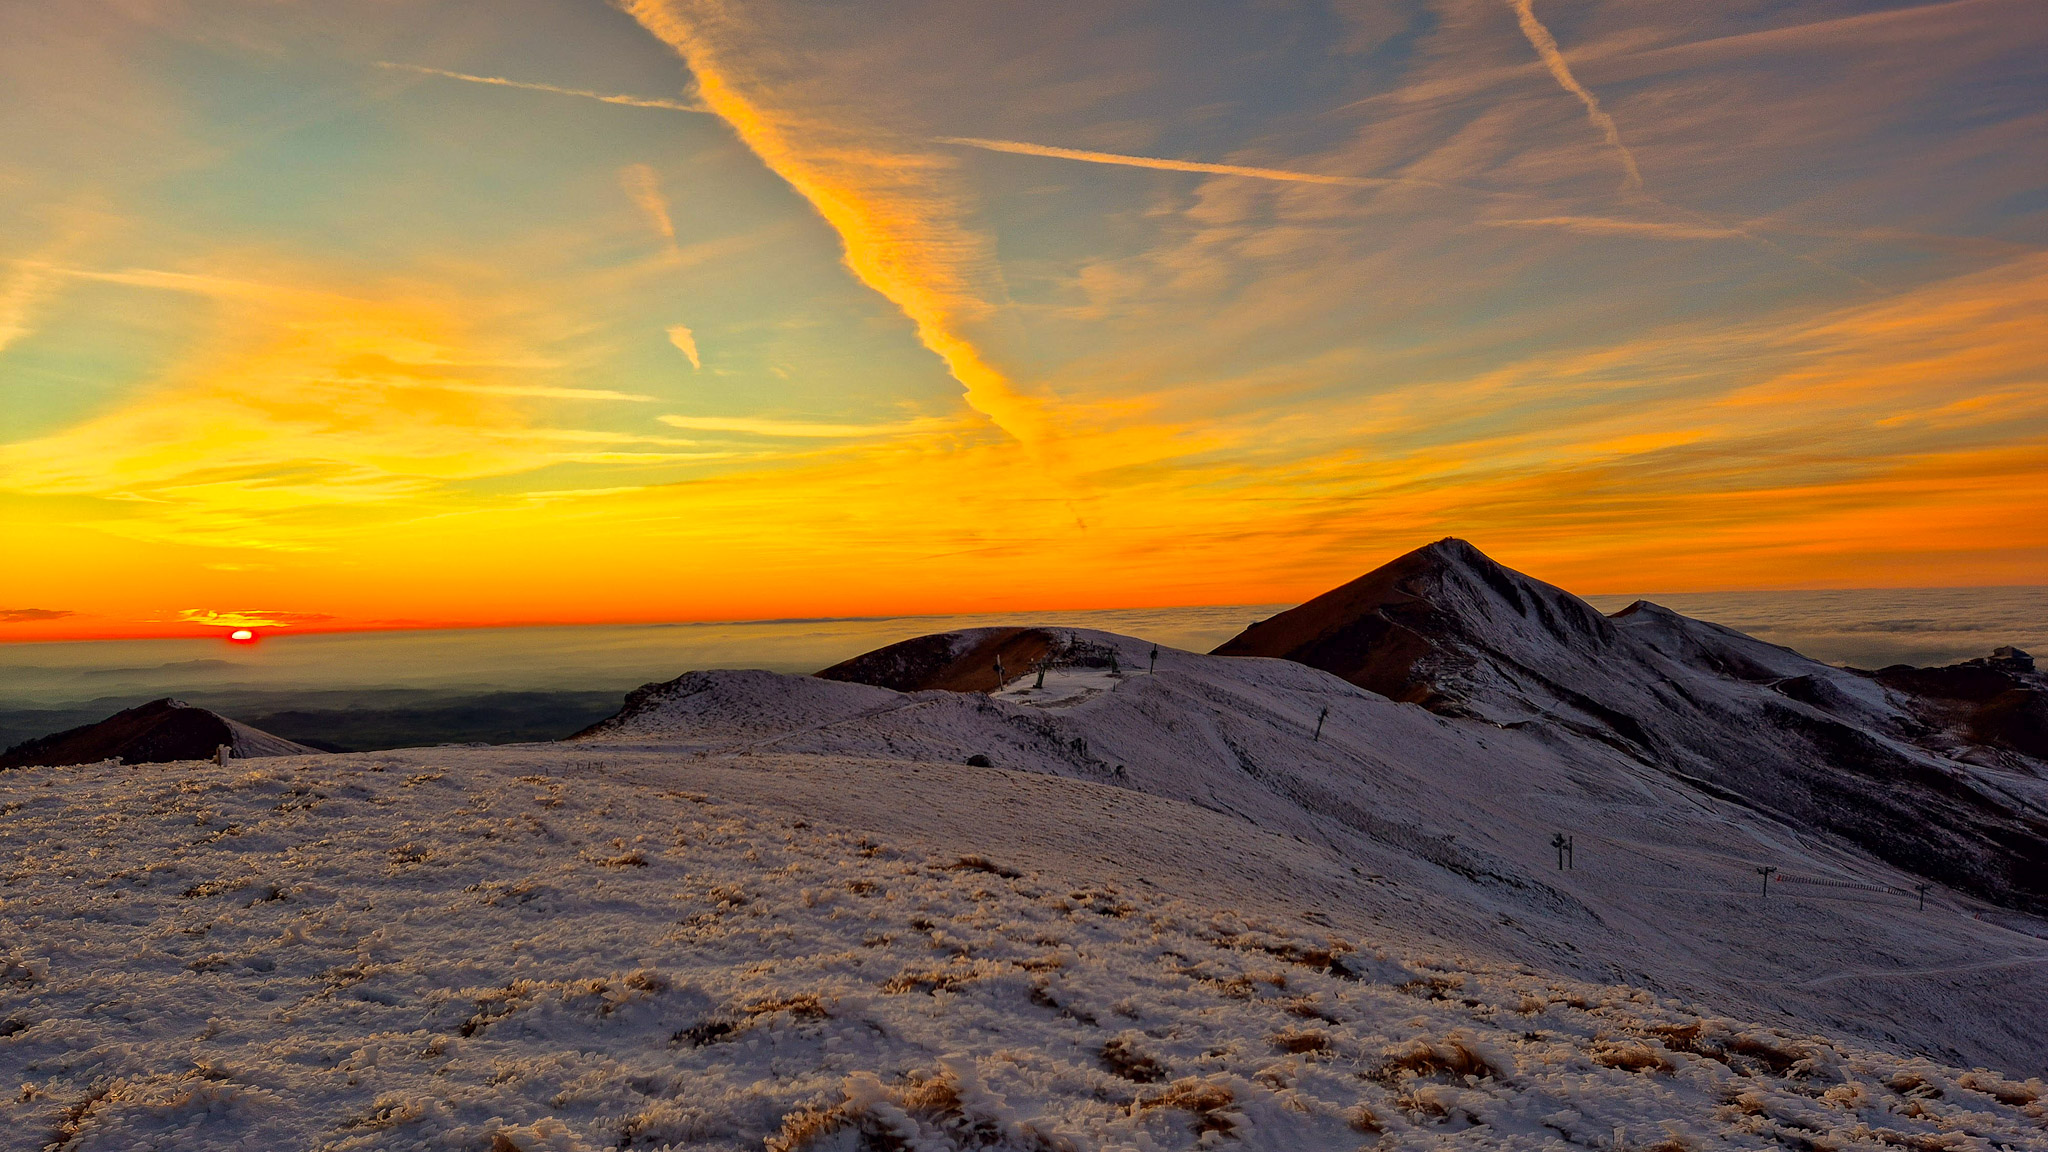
point(1455, 1055)
point(934, 1104)
point(1123, 1059)
point(1301, 1042)
point(1907, 1083)
point(1207, 1103)
point(1362, 1120)
point(1630, 1056)
point(2016, 1095)
point(974, 863)
point(929, 980)
point(1246, 986)
point(1309, 1008)
point(803, 1006)
point(1433, 987)
point(1736, 1050)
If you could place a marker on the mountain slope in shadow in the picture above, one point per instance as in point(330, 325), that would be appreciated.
point(1937, 771)
point(153, 733)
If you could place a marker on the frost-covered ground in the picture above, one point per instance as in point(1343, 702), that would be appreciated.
point(591, 948)
point(1392, 822)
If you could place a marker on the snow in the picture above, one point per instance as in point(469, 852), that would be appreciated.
point(585, 947)
point(1454, 819)
point(776, 912)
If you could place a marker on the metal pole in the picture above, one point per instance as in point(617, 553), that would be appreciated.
point(1319, 725)
point(1765, 872)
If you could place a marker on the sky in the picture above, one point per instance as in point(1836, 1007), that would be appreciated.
point(402, 313)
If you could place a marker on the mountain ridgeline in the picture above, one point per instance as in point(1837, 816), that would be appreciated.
point(1937, 770)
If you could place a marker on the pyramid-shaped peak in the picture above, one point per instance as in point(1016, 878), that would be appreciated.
point(1454, 550)
point(1395, 629)
point(1441, 571)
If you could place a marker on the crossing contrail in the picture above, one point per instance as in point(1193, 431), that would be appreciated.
point(587, 94)
point(1546, 47)
point(1288, 175)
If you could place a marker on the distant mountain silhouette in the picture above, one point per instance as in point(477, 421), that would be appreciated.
point(1892, 760)
point(156, 732)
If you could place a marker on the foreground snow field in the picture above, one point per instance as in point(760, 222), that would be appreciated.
point(591, 947)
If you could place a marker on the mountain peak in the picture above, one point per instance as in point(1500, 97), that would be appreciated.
point(158, 731)
point(1405, 628)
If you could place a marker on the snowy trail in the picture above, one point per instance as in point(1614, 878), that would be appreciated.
point(1910, 973)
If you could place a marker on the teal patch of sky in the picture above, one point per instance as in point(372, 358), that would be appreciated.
point(92, 344)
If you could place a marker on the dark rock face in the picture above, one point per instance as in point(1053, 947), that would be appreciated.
point(965, 661)
point(157, 732)
point(1878, 759)
point(1999, 701)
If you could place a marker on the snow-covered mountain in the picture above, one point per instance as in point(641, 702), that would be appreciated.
point(1885, 761)
point(1445, 827)
point(157, 732)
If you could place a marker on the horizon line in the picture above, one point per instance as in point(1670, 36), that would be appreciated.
point(218, 632)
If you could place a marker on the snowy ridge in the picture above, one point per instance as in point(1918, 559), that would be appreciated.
point(526, 949)
point(1827, 749)
point(1449, 822)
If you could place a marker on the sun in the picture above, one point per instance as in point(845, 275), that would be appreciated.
point(242, 636)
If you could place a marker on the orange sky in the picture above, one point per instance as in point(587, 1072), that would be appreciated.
point(466, 313)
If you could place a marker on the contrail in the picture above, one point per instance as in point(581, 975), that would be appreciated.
point(1546, 47)
point(1016, 147)
point(502, 82)
point(1022, 149)
point(1602, 226)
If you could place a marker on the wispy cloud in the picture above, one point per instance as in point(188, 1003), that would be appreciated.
point(30, 615)
point(686, 343)
point(1605, 226)
point(1553, 59)
point(805, 430)
point(250, 618)
point(538, 391)
point(20, 293)
point(1020, 148)
point(585, 93)
point(644, 188)
point(902, 227)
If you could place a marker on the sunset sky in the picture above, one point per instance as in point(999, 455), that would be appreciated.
point(375, 313)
